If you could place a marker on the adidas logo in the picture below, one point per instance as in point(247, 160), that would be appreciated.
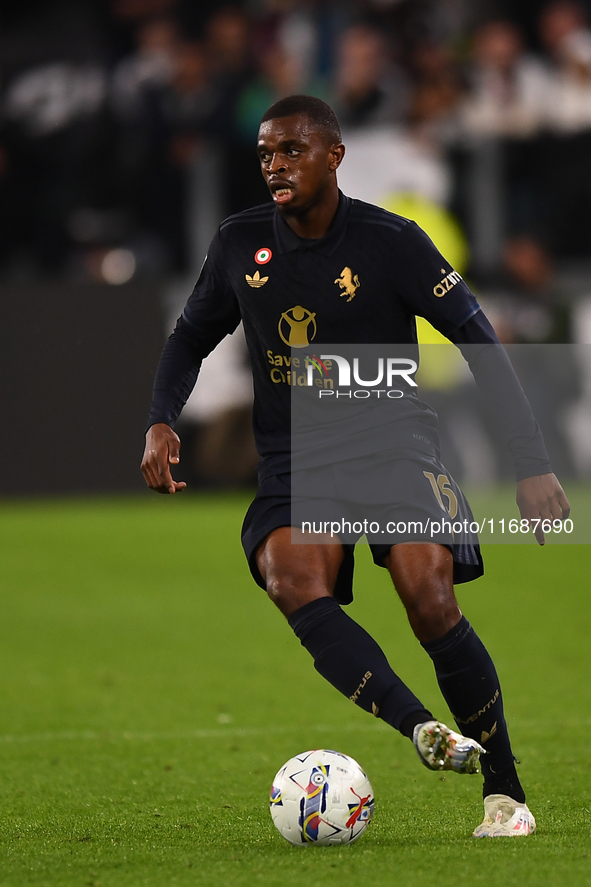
point(256, 280)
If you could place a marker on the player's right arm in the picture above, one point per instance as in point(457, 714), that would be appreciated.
point(163, 448)
point(211, 313)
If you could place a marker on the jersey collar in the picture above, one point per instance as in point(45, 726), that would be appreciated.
point(288, 240)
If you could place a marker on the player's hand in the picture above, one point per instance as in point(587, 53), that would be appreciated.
point(163, 447)
point(542, 498)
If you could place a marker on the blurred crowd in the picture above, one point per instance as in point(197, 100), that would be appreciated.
point(120, 118)
point(106, 107)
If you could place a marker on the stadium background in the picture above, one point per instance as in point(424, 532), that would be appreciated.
point(130, 697)
point(126, 133)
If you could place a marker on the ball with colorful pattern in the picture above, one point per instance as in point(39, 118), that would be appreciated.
point(321, 797)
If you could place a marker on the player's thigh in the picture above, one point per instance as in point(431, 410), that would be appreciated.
point(295, 573)
point(422, 573)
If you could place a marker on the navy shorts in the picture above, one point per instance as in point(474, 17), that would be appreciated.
point(400, 500)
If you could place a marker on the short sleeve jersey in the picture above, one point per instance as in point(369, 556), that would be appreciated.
point(363, 282)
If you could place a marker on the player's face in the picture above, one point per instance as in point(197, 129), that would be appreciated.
point(297, 162)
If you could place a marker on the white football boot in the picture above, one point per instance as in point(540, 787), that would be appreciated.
point(439, 748)
point(505, 818)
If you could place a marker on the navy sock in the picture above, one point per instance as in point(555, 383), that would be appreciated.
point(469, 683)
point(349, 658)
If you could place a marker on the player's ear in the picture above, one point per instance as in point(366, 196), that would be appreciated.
point(335, 156)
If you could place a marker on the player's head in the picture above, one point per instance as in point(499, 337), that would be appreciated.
point(318, 113)
point(299, 146)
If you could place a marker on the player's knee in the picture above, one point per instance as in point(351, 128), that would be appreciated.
point(291, 590)
point(432, 612)
point(281, 589)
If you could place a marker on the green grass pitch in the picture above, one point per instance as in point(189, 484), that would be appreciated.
point(149, 692)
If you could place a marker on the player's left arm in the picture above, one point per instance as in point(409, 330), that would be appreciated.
point(432, 289)
point(540, 496)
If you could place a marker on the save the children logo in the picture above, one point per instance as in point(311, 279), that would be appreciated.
point(297, 327)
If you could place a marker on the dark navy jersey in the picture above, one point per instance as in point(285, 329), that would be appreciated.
point(363, 282)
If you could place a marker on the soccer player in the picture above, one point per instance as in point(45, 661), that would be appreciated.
point(315, 264)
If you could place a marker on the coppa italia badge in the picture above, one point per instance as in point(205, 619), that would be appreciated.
point(263, 255)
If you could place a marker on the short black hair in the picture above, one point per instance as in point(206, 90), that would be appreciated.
point(317, 112)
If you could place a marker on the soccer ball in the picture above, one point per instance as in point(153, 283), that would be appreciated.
point(321, 797)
